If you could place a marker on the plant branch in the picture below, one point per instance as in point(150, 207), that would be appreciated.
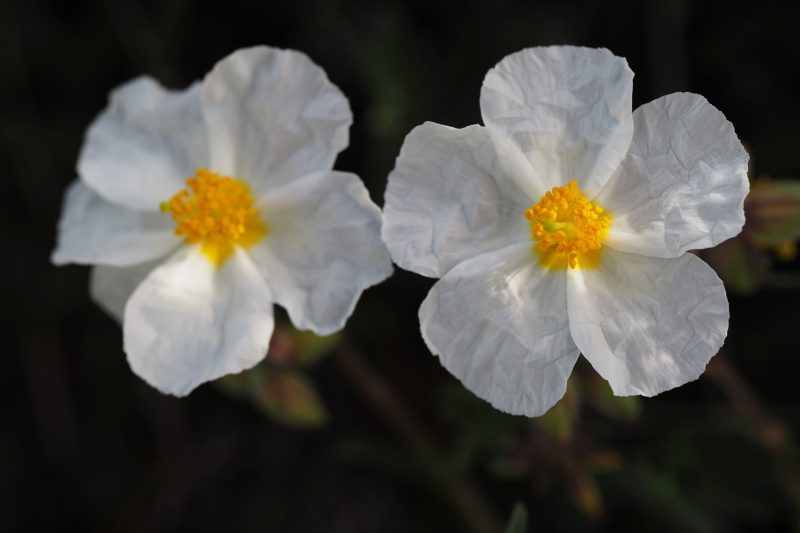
point(772, 433)
point(461, 493)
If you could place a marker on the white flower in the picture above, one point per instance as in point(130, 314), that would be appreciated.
point(193, 275)
point(599, 266)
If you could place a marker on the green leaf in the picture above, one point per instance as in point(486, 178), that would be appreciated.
point(518, 523)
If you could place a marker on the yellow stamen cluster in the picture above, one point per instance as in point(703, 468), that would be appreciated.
point(217, 206)
point(567, 225)
point(217, 211)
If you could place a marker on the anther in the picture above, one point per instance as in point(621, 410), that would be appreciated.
point(563, 218)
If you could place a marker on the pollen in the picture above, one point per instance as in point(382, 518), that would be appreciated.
point(568, 228)
point(217, 212)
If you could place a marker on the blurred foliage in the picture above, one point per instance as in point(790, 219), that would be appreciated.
point(745, 263)
point(87, 446)
point(518, 523)
point(279, 386)
point(285, 395)
point(773, 213)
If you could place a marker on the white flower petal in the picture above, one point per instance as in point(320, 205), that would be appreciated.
point(110, 286)
point(139, 151)
point(189, 322)
point(273, 116)
point(499, 324)
point(647, 324)
point(323, 248)
point(568, 109)
point(94, 231)
point(682, 185)
point(454, 194)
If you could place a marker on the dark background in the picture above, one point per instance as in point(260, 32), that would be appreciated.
point(85, 444)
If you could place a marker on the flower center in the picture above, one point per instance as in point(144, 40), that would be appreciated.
point(568, 227)
point(216, 211)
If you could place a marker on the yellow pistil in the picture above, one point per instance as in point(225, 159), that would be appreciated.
point(569, 228)
point(216, 211)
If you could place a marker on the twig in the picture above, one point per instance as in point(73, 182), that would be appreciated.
point(461, 493)
point(773, 434)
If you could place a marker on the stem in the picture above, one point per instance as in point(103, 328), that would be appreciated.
point(773, 434)
point(461, 493)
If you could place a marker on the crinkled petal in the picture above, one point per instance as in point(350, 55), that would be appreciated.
point(682, 185)
point(323, 248)
point(499, 323)
point(454, 194)
point(647, 324)
point(189, 322)
point(568, 109)
point(94, 231)
point(139, 151)
point(273, 116)
point(110, 286)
